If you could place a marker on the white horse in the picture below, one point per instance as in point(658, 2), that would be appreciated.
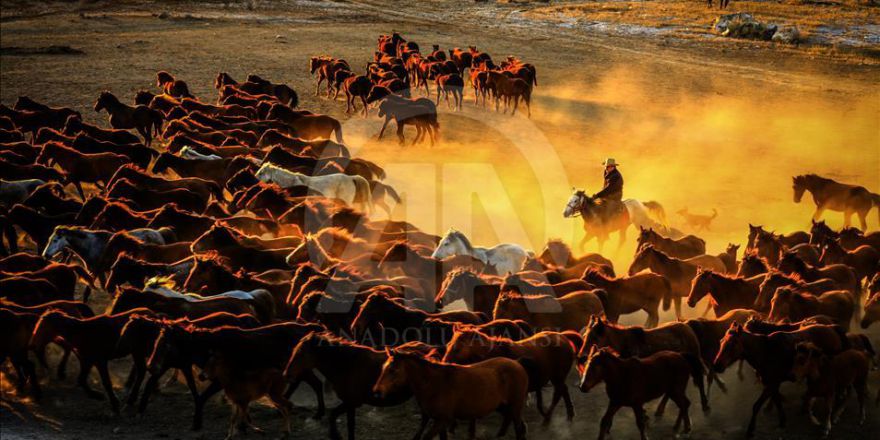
point(505, 258)
point(637, 213)
point(260, 299)
point(350, 189)
point(188, 152)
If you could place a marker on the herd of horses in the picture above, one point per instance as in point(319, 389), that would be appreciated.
point(398, 68)
point(238, 250)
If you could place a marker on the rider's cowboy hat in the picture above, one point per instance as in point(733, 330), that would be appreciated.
point(610, 162)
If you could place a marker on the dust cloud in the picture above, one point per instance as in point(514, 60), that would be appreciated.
point(507, 179)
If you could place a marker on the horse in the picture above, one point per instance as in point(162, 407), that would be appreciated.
point(421, 113)
point(519, 283)
point(752, 265)
point(81, 167)
point(643, 291)
point(709, 333)
point(830, 378)
point(772, 357)
point(599, 223)
point(835, 196)
point(725, 292)
point(789, 240)
point(864, 260)
point(558, 253)
point(380, 311)
point(505, 258)
point(510, 89)
point(843, 275)
point(468, 391)
point(122, 116)
point(447, 84)
point(307, 125)
point(770, 246)
point(17, 328)
point(350, 189)
point(633, 382)
point(793, 306)
point(775, 279)
point(640, 342)
point(689, 246)
point(679, 273)
point(550, 357)
point(478, 294)
point(569, 312)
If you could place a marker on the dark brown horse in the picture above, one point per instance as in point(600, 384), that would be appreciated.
point(122, 116)
point(792, 306)
point(642, 291)
point(679, 272)
point(569, 312)
point(633, 382)
point(469, 392)
point(834, 196)
point(685, 247)
point(550, 358)
point(725, 292)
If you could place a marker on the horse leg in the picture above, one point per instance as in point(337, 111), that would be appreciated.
point(334, 414)
point(777, 400)
point(423, 423)
point(706, 312)
point(539, 402)
point(818, 213)
point(108, 386)
point(384, 125)
point(583, 243)
point(349, 421)
point(553, 402)
point(61, 371)
point(653, 318)
point(83, 381)
point(661, 408)
point(366, 109)
point(315, 384)
point(201, 399)
point(847, 218)
point(677, 302)
point(152, 385)
point(140, 370)
point(569, 407)
point(641, 421)
point(863, 221)
point(400, 137)
point(756, 408)
point(605, 423)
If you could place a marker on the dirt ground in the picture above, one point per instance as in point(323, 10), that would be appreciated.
point(697, 123)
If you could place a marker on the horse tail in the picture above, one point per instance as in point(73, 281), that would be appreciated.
point(337, 127)
point(375, 169)
point(376, 187)
point(362, 192)
point(574, 338)
point(657, 210)
point(667, 294)
point(698, 372)
point(294, 99)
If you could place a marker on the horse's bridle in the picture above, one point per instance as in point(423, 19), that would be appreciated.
point(577, 207)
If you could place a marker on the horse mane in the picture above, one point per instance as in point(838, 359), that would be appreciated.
point(338, 234)
point(460, 236)
point(211, 256)
point(516, 296)
point(594, 270)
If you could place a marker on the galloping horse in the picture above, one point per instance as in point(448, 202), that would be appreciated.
point(599, 224)
point(828, 194)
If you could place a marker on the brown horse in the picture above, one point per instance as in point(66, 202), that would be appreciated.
point(639, 342)
point(333, 357)
point(550, 357)
point(710, 331)
point(830, 378)
point(508, 88)
point(789, 240)
point(478, 293)
point(558, 253)
point(122, 116)
point(569, 312)
point(872, 311)
point(752, 265)
point(420, 112)
point(790, 305)
point(685, 247)
point(769, 246)
point(834, 196)
point(633, 382)
point(725, 292)
point(308, 126)
point(80, 167)
point(679, 272)
point(523, 285)
point(643, 291)
point(17, 328)
point(843, 275)
point(864, 259)
point(450, 84)
point(446, 392)
point(172, 87)
point(772, 357)
point(775, 279)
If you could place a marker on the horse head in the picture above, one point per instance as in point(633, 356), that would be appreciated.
point(577, 203)
point(799, 185)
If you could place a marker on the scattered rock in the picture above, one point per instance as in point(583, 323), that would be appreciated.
point(743, 25)
point(163, 15)
point(787, 35)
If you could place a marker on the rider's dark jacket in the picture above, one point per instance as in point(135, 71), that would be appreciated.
point(613, 189)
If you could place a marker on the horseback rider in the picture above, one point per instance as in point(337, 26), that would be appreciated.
point(611, 193)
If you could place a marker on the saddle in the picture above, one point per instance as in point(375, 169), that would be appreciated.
point(608, 210)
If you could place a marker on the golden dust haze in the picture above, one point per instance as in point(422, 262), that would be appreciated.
point(504, 179)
